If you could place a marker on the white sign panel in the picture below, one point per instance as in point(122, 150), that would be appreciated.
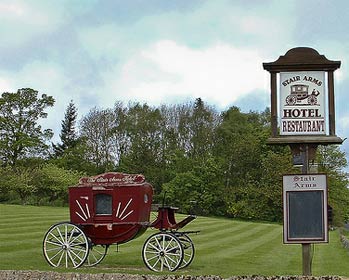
point(305, 208)
point(302, 103)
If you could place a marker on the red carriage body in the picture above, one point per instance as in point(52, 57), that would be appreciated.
point(112, 207)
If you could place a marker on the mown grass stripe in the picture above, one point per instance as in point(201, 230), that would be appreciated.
point(7, 219)
point(19, 244)
point(218, 230)
point(229, 231)
point(21, 232)
point(15, 227)
point(243, 237)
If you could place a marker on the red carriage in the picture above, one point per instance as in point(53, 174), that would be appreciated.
point(114, 208)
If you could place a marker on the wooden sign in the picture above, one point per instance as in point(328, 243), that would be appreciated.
point(302, 98)
point(305, 208)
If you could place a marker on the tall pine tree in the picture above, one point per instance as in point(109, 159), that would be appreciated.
point(68, 134)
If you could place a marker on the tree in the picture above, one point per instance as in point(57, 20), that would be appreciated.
point(97, 133)
point(20, 134)
point(16, 183)
point(68, 134)
point(52, 183)
point(143, 126)
point(331, 161)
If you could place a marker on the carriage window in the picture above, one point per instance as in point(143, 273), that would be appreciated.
point(103, 204)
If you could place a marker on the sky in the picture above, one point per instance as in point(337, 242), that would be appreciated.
point(97, 52)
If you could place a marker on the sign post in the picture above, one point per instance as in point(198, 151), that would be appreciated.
point(303, 117)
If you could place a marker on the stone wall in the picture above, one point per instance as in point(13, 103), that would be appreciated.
point(49, 275)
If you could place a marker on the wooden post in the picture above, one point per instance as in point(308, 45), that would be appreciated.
point(273, 98)
point(331, 108)
point(306, 258)
point(308, 153)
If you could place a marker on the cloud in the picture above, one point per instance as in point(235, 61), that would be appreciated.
point(166, 70)
point(21, 20)
point(11, 9)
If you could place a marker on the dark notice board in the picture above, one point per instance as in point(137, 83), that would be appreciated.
point(305, 214)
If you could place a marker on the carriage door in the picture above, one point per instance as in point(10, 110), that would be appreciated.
point(103, 205)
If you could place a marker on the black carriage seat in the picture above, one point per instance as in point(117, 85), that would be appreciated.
point(166, 219)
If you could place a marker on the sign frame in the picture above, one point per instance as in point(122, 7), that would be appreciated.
point(296, 60)
point(302, 191)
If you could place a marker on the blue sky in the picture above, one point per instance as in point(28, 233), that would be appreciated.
point(160, 51)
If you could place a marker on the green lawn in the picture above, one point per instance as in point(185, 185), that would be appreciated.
point(224, 247)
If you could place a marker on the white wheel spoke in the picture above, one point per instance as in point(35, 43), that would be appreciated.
point(162, 264)
point(168, 245)
point(60, 234)
point(71, 252)
point(54, 243)
point(66, 259)
point(55, 237)
point(66, 234)
point(156, 263)
point(60, 259)
point(71, 234)
point(75, 238)
point(167, 264)
point(71, 259)
point(157, 249)
point(55, 255)
point(151, 258)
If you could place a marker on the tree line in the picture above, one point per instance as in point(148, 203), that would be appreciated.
point(196, 158)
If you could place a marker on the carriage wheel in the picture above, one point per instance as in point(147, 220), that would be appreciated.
point(312, 100)
point(162, 251)
point(65, 245)
point(96, 254)
point(188, 249)
point(291, 100)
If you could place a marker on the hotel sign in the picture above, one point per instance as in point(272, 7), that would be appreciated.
point(302, 103)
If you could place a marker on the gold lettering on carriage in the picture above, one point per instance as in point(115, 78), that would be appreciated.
point(114, 179)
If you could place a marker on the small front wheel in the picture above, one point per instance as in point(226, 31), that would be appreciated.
point(96, 254)
point(188, 249)
point(162, 251)
point(65, 245)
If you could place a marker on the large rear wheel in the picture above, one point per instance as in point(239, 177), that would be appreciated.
point(65, 245)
